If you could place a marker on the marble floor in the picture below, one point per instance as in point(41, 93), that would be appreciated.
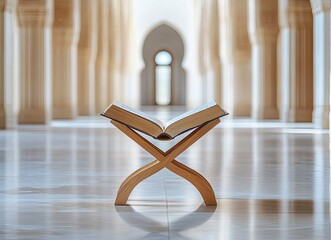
point(271, 180)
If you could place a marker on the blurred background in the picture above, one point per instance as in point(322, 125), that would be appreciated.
point(258, 59)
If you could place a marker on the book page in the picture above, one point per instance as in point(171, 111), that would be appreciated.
point(184, 115)
point(140, 114)
point(164, 146)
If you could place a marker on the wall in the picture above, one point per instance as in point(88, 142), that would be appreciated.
point(148, 14)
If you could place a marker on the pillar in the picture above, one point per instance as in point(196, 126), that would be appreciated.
point(87, 51)
point(101, 78)
point(2, 63)
point(214, 43)
point(10, 64)
point(111, 51)
point(236, 58)
point(322, 70)
point(209, 61)
point(195, 87)
point(125, 87)
point(34, 21)
point(296, 60)
point(65, 38)
point(130, 85)
point(263, 32)
point(114, 84)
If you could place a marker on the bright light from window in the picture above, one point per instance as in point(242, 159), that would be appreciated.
point(163, 58)
point(163, 85)
point(163, 78)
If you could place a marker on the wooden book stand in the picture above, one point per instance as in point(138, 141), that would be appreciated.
point(166, 159)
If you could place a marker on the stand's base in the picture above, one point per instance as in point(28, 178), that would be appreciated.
point(166, 160)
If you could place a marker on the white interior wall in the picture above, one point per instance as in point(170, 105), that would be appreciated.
point(181, 16)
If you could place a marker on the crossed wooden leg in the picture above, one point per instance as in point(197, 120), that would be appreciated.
point(166, 159)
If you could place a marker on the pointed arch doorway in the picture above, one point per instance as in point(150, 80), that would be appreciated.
point(163, 80)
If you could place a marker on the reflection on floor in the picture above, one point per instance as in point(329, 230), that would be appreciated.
point(59, 182)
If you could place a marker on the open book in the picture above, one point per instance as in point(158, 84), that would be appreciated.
point(153, 127)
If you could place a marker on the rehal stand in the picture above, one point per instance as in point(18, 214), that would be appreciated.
point(166, 160)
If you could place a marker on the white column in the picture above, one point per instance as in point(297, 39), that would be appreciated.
point(203, 47)
point(65, 38)
point(296, 60)
point(214, 44)
point(263, 32)
point(2, 63)
point(10, 64)
point(322, 70)
point(34, 21)
point(209, 60)
point(191, 61)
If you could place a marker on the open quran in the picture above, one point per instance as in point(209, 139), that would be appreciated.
point(163, 131)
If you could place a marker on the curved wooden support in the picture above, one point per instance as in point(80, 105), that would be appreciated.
point(197, 180)
point(166, 160)
point(134, 179)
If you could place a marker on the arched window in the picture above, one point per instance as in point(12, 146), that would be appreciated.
point(163, 78)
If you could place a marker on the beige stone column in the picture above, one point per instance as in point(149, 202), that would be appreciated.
point(101, 79)
point(263, 32)
point(129, 85)
point(123, 85)
point(322, 61)
point(214, 44)
point(111, 51)
point(2, 63)
point(203, 46)
point(296, 60)
point(87, 51)
point(114, 83)
point(34, 21)
point(209, 60)
point(65, 38)
point(236, 58)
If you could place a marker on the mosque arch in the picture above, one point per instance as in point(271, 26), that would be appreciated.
point(163, 38)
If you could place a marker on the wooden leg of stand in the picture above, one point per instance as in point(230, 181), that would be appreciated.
point(196, 179)
point(201, 184)
point(163, 161)
point(135, 178)
point(146, 171)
